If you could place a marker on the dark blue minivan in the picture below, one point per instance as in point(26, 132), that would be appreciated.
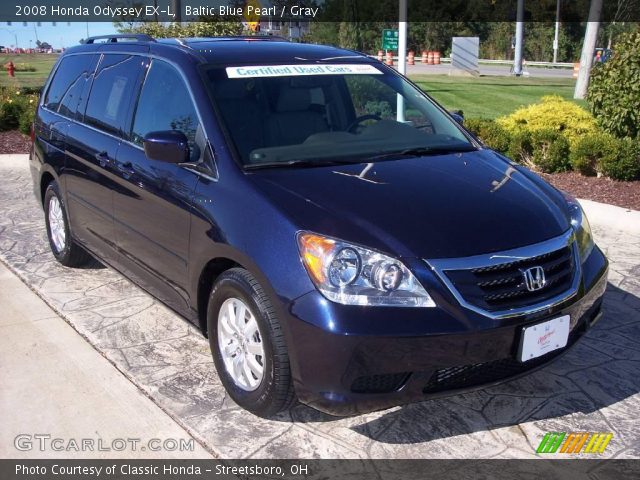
point(338, 236)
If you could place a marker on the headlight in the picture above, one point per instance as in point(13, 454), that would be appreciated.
point(580, 224)
point(353, 275)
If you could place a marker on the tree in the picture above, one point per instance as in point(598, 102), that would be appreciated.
point(207, 27)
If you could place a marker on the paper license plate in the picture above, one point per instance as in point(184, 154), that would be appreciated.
point(544, 337)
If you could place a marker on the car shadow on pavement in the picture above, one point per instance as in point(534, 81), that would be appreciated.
point(93, 264)
point(598, 372)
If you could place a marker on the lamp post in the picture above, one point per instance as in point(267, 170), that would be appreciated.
point(517, 60)
point(402, 55)
point(557, 32)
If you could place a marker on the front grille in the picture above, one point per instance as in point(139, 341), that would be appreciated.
point(468, 376)
point(502, 286)
point(379, 383)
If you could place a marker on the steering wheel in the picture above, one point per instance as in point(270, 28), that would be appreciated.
point(362, 118)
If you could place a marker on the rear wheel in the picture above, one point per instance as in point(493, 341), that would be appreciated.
point(63, 247)
point(248, 345)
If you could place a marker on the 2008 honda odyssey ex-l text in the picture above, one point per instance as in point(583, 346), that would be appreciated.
point(338, 236)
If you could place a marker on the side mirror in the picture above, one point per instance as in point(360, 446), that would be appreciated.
point(458, 116)
point(169, 146)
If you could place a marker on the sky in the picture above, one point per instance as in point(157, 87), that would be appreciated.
point(62, 35)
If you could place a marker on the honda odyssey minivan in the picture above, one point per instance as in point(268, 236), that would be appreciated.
point(336, 234)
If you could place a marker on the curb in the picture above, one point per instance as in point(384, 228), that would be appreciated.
point(13, 160)
point(612, 217)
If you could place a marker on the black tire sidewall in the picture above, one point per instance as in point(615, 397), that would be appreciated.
point(62, 256)
point(259, 399)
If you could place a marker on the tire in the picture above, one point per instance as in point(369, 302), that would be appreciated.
point(64, 248)
point(264, 395)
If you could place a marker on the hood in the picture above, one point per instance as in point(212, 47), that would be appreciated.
point(443, 206)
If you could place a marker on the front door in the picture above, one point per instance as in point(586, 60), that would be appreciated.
point(152, 206)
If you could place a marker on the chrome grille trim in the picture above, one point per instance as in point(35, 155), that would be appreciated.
point(487, 261)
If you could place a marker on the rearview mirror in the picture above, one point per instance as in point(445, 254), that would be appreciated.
point(169, 146)
point(458, 116)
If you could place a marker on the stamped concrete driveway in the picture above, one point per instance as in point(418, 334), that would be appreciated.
point(595, 387)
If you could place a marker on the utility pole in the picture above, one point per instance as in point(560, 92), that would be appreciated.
point(15, 36)
point(177, 9)
point(517, 60)
point(402, 55)
point(588, 47)
point(555, 37)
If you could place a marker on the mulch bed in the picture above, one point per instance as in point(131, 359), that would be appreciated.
point(622, 194)
point(14, 142)
point(603, 190)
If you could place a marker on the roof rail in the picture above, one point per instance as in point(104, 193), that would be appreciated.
point(139, 37)
point(226, 38)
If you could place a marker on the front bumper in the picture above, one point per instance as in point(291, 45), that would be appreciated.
point(347, 373)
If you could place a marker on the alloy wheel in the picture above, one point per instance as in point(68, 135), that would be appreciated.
point(240, 344)
point(56, 224)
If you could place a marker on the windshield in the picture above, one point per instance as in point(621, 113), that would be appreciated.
point(279, 115)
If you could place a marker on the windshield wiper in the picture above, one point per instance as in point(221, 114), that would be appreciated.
point(423, 151)
point(325, 162)
point(313, 162)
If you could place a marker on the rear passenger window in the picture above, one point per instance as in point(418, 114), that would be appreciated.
point(69, 83)
point(165, 104)
point(113, 87)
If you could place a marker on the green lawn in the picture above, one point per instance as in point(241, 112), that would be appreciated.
point(42, 62)
point(491, 97)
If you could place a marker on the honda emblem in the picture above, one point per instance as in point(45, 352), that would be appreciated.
point(534, 278)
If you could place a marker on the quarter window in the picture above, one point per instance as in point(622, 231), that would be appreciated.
point(113, 86)
point(69, 83)
point(165, 104)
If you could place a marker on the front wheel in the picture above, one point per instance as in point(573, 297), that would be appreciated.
point(63, 247)
point(248, 344)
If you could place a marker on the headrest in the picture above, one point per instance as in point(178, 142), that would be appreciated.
point(293, 99)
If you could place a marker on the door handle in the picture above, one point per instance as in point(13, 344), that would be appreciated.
point(126, 169)
point(103, 159)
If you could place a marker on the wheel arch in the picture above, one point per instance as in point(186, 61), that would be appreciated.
point(208, 276)
point(45, 179)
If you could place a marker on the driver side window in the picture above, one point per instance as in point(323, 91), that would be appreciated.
point(165, 104)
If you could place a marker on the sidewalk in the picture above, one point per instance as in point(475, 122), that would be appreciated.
point(53, 382)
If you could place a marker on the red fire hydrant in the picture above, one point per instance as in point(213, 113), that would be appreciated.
point(11, 69)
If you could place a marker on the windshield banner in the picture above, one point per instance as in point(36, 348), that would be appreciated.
point(293, 70)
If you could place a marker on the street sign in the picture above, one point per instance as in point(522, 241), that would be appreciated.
point(390, 39)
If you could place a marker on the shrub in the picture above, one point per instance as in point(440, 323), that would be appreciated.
point(26, 119)
point(10, 113)
point(17, 109)
point(550, 151)
point(489, 132)
point(520, 148)
point(552, 112)
point(622, 161)
point(614, 95)
point(588, 152)
point(24, 67)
